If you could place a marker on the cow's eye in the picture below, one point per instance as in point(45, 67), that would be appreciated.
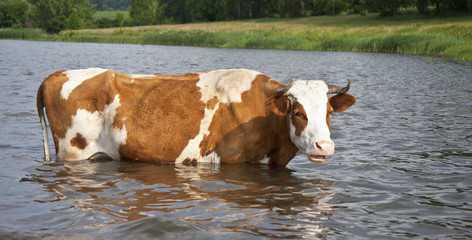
point(299, 115)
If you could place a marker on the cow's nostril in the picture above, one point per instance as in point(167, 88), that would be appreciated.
point(324, 148)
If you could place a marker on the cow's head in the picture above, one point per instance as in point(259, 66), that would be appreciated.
point(308, 110)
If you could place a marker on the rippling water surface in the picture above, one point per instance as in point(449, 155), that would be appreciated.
point(402, 166)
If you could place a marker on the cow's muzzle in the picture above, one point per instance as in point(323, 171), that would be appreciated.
point(322, 149)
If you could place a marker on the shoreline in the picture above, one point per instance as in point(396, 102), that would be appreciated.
point(411, 34)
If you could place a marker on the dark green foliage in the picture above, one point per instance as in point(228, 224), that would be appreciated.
point(182, 11)
point(109, 21)
point(147, 12)
point(54, 16)
point(104, 5)
point(177, 11)
point(13, 13)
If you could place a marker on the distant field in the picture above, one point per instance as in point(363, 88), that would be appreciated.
point(449, 37)
point(108, 14)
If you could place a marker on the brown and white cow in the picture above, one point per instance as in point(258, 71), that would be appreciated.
point(223, 116)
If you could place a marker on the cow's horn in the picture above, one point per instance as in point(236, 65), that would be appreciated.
point(284, 90)
point(339, 90)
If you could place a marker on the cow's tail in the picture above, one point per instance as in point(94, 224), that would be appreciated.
point(42, 119)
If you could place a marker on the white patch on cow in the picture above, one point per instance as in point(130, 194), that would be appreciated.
point(265, 160)
point(76, 77)
point(313, 96)
point(98, 131)
point(227, 86)
point(141, 76)
point(192, 150)
point(212, 157)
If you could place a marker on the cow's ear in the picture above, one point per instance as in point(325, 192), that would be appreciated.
point(342, 102)
point(278, 104)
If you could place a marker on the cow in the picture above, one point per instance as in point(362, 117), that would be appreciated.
point(222, 116)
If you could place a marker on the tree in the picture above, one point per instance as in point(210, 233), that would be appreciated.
point(74, 21)
point(202, 10)
point(177, 10)
point(146, 12)
point(421, 5)
point(13, 13)
point(356, 6)
point(55, 16)
point(386, 7)
point(451, 6)
point(328, 7)
point(120, 18)
point(394, 7)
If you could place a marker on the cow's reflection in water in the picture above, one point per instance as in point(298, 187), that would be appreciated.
point(228, 198)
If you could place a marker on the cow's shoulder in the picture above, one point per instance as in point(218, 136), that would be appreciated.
point(226, 85)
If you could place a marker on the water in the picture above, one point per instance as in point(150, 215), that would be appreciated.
point(402, 166)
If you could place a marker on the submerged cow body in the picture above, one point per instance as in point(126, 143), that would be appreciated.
point(223, 116)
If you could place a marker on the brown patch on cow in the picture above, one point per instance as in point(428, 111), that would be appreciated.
point(248, 131)
point(280, 105)
point(329, 112)
point(95, 93)
point(341, 102)
point(57, 111)
point(189, 161)
point(299, 118)
point(78, 141)
point(162, 114)
point(338, 103)
point(212, 103)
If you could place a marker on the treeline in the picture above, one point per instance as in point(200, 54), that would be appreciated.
point(184, 11)
point(56, 15)
point(49, 15)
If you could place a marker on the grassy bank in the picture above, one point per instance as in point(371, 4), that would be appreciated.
point(406, 34)
point(23, 34)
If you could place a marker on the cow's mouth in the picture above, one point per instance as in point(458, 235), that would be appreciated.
point(316, 158)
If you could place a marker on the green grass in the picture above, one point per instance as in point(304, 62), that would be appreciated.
point(109, 14)
point(406, 34)
point(22, 33)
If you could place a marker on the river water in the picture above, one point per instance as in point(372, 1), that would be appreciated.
point(402, 166)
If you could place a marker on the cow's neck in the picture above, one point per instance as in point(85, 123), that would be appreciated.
point(282, 150)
